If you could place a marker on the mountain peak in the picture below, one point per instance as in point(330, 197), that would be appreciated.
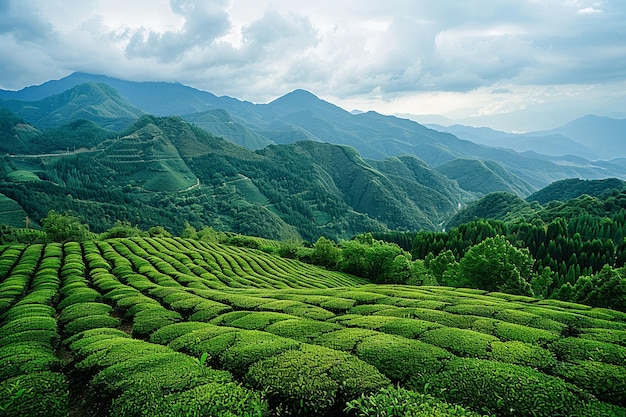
point(300, 100)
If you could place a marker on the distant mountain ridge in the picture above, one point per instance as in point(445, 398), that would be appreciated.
point(300, 115)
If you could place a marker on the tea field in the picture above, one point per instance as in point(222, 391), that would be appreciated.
point(180, 327)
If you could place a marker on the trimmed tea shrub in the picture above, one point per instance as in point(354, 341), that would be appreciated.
point(46, 394)
point(302, 330)
point(572, 349)
point(90, 322)
point(400, 402)
point(461, 342)
point(313, 380)
point(502, 389)
point(151, 319)
point(75, 311)
point(521, 353)
point(606, 381)
point(344, 339)
point(401, 359)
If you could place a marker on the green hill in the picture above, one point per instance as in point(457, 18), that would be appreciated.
point(161, 326)
point(497, 206)
point(166, 171)
point(98, 103)
point(571, 188)
point(484, 177)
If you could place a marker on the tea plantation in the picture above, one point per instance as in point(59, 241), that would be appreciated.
point(181, 327)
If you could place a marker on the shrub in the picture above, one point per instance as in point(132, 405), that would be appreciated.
point(28, 323)
point(259, 320)
point(170, 332)
point(302, 330)
point(502, 389)
point(313, 380)
point(617, 337)
point(151, 319)
point(28, 310)
point(104, 353)
point(78, 310)
point(400, 402)
point(84, 295)
point(606, 381)
point(44, 394)
point(521, 353)
point(461, 342)
point(529, 319)
point(571, 349)
point(25, 358)
point(194, 342)
point(208, 313)
point(47, 338)
point(401, 359)
point(214, 399)
point(344, 339)
point(509, 331)
point(250, 346)
point(90, 322)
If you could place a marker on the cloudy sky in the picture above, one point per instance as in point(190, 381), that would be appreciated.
point(516, 65)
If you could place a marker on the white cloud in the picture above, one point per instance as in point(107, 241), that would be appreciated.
point(384, 54)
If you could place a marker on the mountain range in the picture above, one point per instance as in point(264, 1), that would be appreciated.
point(306, 166)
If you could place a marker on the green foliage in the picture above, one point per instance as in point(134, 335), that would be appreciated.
point(401, 359)
point(400, 402)
point(41, 394)
point(502, 389)
point(90, 322)
point(314, 380)
point(496, 265)
point(64, 228)
point(461, 342)
point(605, 381)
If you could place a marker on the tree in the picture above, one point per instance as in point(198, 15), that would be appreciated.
point(326, 253)
point(64, 228)
point(496, 265)
point(374, 259)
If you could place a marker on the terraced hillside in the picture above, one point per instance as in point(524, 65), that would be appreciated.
point(176, 327)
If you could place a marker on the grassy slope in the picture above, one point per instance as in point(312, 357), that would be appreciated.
point(253, 312)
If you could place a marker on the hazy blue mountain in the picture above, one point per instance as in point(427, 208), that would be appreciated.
point(98, 103)
point(606, 137)
point(546, 144)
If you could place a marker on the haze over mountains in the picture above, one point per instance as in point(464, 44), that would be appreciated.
point(379, 171)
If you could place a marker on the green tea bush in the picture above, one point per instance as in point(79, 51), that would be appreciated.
point(45, 394)
point(78, 310)
point(90, 322)
point(502, 389)
point(213, 399)
point(617, 337)
point(151, 319)
point(84, 295)
point(606, 381)
point(302, 330)
point(228, 317)
point(510, 331)
point(400, 402)
point(106, 352)
point(401, 359)
point(475, 309)
point(367, 309)
point(461, 342)
point(529, 319)
point(166, 334)
point(25, 358)
point(48, 338)
point(520, 353)
point(313, 380)
point(259, 320)
point(28, 310)
point(78, 341)
point(344, 339)
point(196, 342)
point(45, 323)
point(206, 313)
point(571, 349)
point(248, 347)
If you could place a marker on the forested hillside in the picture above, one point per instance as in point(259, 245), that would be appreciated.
point(164, 171)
